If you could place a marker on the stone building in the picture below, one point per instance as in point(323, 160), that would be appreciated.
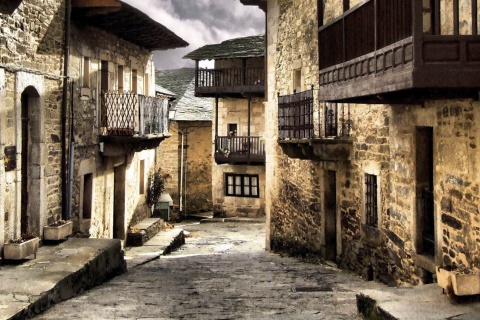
point(238, 86)
point(376, 168)
point(187, 154)
point(74, 79)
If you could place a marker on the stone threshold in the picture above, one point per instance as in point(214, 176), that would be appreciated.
point(144, 231)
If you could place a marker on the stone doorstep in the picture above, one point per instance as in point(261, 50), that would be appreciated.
point(144, 231)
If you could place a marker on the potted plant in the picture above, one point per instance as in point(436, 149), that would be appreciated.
point(58, 230)
point(156, 186)
point(459, 282)
point(21, 248)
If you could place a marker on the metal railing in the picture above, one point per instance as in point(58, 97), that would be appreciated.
point(230, 77)
point(336, 120)
point(295, 115)
point(128, 114)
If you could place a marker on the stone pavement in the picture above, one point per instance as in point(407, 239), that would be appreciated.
point(58, 273)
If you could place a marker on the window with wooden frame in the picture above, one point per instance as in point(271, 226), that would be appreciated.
point(86, 72)
point(141, 189)
point(120, 78)
point(87, 196)
point(134, 81)
point(371, 201)
point(242, 185)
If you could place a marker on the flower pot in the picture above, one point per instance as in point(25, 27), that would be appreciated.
point(58, 232)
point(461, 283)
point(19, 251)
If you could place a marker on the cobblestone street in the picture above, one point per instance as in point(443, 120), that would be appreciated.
point(222, 272)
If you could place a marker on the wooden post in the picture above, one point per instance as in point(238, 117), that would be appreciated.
point(196, 73)
point(456, 18)
point(474, 17)
point(417, 27)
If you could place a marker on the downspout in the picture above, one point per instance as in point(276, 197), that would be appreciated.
point(185, 178)
point(66, 62)
point(68, 214)
point(181, 174)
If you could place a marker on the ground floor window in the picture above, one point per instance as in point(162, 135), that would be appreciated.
point(371, 207)
point(241, 185)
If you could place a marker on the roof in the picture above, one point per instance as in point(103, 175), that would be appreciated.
point(247, 47)
point(126, 22)
point(182, 83)
point(262, 4)
point(162, 90)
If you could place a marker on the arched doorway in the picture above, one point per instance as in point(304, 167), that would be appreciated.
point(30, 162)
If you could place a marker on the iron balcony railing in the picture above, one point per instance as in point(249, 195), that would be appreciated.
point(239, 149)
point(295, 115)
point(230, 77)
point(129, 114)
point(425, 207)
point(296, 118)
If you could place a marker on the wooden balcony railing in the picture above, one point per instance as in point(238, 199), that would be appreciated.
point(239, 150)
point(393, 51)
point(230, 81)
point(304, 136)
point(130, 114)
point(295, 115)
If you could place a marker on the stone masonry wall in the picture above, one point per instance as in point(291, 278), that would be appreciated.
point(31, 54)
point(235, 111)
point(385, 143)
point(197, 165)
point(97, 45)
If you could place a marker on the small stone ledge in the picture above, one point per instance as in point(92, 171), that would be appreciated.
point(369, 309)
point(144, 231)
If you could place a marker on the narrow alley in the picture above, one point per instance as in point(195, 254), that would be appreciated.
point(222, 272)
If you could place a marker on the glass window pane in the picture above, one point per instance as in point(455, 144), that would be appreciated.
point(254, 191)
point(238, 190)
point(254, 181)
point(238, 180)
point(246, 190)
point(230, 190)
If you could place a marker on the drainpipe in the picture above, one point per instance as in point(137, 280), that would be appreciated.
point(68, 214)
point(66, 63)
point(181, 173)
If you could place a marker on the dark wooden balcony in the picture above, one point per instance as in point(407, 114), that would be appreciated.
point(132, 122)
point(230, 82)
point(392, 51)
point(240, 150)
point(300, 138)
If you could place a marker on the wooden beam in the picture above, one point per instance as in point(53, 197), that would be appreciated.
point(96, 4)
point(474, 17)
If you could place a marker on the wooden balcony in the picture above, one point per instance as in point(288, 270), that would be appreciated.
point(131, 122)
point(240, 150)
point(230, 82)
point(300, 138)
point(392, 51)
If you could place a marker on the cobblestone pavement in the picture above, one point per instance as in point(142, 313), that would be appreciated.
point(222, 272)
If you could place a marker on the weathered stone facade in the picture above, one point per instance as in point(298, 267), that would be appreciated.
point(389, 142)
point(31, 55)
point(235, 111)
point(197, 165)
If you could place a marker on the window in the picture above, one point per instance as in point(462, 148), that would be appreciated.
point(87, 196)
point(86, 72)
point(134, 81)
point(104, 76)
point(241, 185)
point(297, 80)
point(371, 207)
point(120, 79)
point(142, 177)
point(232, 129)
point(145, 84)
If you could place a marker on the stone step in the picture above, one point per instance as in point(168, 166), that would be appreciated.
point(144, 231)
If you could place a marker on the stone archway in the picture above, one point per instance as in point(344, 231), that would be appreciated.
point(30, 186)
point(29, 141)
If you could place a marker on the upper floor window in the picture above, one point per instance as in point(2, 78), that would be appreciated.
point(120, 78)
point(297, 80)
point(134, 81)
point(371, 201)
point(86, 72)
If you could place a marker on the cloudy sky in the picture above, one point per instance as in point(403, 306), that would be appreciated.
point(200, 22)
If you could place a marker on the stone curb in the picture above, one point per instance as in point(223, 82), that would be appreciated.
point(234, 219)
point(369, 309)
point(105, 265)
point(177, 241)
